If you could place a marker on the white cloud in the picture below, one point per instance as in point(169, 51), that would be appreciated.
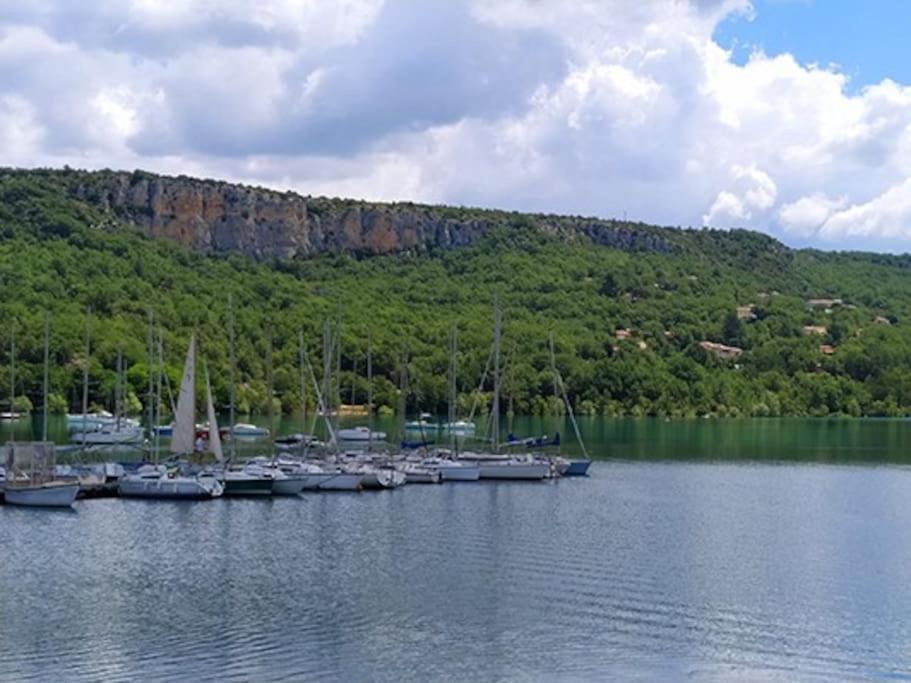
point(887, 216)
point(806, 215)
point(595, 106)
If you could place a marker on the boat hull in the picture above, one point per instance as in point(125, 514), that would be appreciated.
point(167, 488)
point(514, 471)
point(577, 468)
point(46, 495)
point(291, 486)
point(336, 481)
point(460, 473)
point(423, 477)
point(248, 487)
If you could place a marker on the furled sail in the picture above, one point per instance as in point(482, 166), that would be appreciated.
point(214, 436)
point(184, 435)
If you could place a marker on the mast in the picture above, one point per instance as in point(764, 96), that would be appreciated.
point(150, 415)
point(369, 390)
point(453, 369)
point(47, 318)
point(558, 383)
point(269, 388)
point(300, 353)
point(495, 429)
point(160, 372)
point(12, 370)
point(338, 356)
point(232, 371)
point(118, 390)
point(85, 372)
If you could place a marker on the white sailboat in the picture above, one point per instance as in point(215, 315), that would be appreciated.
point(30, 478)
point(160, 482)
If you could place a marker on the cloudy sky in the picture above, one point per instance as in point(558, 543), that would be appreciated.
point(791, 117)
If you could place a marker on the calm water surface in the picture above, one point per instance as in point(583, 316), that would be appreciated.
point(711, 566)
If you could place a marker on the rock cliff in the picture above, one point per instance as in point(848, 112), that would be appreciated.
point(218, 217)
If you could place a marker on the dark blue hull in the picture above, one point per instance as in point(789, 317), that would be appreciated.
point(577, 468)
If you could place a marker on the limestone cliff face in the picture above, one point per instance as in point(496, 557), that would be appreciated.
point(218, 217)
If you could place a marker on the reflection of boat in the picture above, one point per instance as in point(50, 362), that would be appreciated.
point(360, 434)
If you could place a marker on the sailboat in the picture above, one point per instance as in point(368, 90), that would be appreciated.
point(577, 467)
point(29, 477)
point(495, 465)
point(169, 482)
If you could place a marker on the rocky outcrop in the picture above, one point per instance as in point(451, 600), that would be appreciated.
point(217, 217)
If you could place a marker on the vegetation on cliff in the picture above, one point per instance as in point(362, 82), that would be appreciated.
point(629, 325)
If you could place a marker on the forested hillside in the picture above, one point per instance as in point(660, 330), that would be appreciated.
point(629, 323)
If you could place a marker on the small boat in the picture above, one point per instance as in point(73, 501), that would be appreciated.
point(161, 482)
point(109, 435)
point(459, 427)
point(284, 482)
point(249, 430)
point(48, 494)
point(29, 477)
point(360, 435)
point(163, 430)
point(423, 424)
point(293, 441)
point(10, 416)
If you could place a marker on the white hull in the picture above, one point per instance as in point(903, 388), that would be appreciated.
point(47, 495)
point(460, 472)
point(171, 488)
point(360, 435)
point(422, 476)
point(513, 470)
point(290, 486)
point(334, 481)
point(108, 437)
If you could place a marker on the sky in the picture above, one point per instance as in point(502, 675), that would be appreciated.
point(792, 117)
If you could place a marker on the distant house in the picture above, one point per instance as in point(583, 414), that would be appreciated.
point(623, 334)
point(826, 350)
point(815, 329)
point(824, 303)
point(882, 320)
point(721, 350)
point(746, 312)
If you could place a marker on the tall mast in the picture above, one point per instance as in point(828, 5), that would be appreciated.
point(12, 369)
point(300, 353)
point(118, 389)
point(85, 372)
point(338, 356)
point(232, 370)
point(369, 390)
point(496, 375)
point(150, 414)
point(160, 373)
point(46, 371)
point(453, 370)
point(269, 388)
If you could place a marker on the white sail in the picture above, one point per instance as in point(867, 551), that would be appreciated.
point(184, 435)
point(214, 436)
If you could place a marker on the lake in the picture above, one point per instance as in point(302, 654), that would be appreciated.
point(704, 550)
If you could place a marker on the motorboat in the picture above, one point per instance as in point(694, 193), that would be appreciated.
point(360, 435)
point(244, 429)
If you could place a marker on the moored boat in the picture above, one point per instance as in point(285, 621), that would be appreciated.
point(161, 482)
point(360, 435)
point(47, 494)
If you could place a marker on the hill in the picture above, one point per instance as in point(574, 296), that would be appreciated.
point(631, 306)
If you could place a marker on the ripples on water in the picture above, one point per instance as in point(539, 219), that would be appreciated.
point(645, 571)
